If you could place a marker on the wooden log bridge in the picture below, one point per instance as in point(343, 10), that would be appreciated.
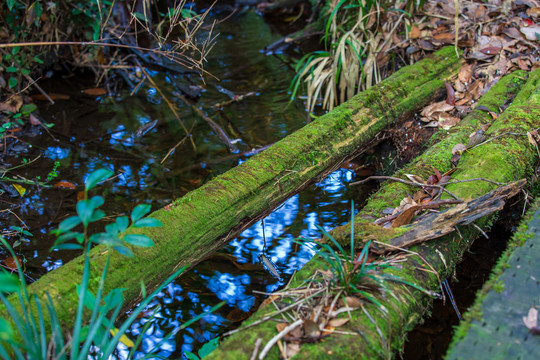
point(205, 219)
point(373, 330)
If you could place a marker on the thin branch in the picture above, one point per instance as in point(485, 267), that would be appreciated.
point(276, 338)
point(404, 182)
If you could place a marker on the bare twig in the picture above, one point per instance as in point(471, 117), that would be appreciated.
point(256, 349)
point(34, 82)
point(171, 105)
point(270, 316)
point(413, 183)
point(276, 338)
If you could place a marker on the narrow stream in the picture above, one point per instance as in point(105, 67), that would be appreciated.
point(133, 135)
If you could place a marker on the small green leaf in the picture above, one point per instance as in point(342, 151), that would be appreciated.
point(208, 347)
point(8, 282)
point(139, 211)
point(112, 229)
point(11, 3)
point(69, 223)
point(28, 109)
point(122, 222)
point(97, 215)
point(38, 60)
point(191, 356)
point(12, 82)
point(96, 177)
point(68, 247)
point(11, 69)
point(147, 222)
point(123, 250)
point(6, 332)
point(138, 240)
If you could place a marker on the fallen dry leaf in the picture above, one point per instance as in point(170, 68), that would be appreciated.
point(94, 91)
point(464, 74)
point(531, 320)
point(531, 32)
point(350, 301)
point(338, 322)
point(311, 329)
point(441, 106)
point(11, 263)
point(458, 149)
point(65, 184)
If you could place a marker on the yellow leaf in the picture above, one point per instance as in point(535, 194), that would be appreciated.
point(123, 339)
point(20, 189)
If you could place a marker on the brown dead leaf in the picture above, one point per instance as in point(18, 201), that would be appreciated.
point(441, 106)
point(311, 329)
point(65, 184)
point(338, 322)
point(531, 32)
point(11, 263)
point(415, 32)
point(477, 89)
point(406, 216)
point(534, 12)
point(94, 91)
point(13, 104)
point(419, 196)
point(480, 12)
point(447, 121)
point(350, 301)
point(415, 178)
point(34, 120)
point(467, 98)
point(281, 326)
point(458, 149)
point(465, 73)
point(445, 38)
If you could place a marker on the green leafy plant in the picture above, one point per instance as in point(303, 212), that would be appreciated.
point(204, 350)
point(37, 331)
point(21, 234)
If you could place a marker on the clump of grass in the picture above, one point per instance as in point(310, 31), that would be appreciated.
point(357, 36)
point(354, 274)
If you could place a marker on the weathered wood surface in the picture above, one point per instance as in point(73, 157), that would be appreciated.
point(505, 159)
point(205, 219)
point(493, 328)
point(438, 224)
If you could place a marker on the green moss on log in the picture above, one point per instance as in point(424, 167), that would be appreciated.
point(433, 260)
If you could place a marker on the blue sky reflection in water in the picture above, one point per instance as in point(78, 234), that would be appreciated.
point(235, 271)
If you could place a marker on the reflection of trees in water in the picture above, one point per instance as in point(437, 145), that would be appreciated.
point(234, 272)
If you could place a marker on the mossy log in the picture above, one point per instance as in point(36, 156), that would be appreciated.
point(205, 219)
point(494, 327)
point(505, 159)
